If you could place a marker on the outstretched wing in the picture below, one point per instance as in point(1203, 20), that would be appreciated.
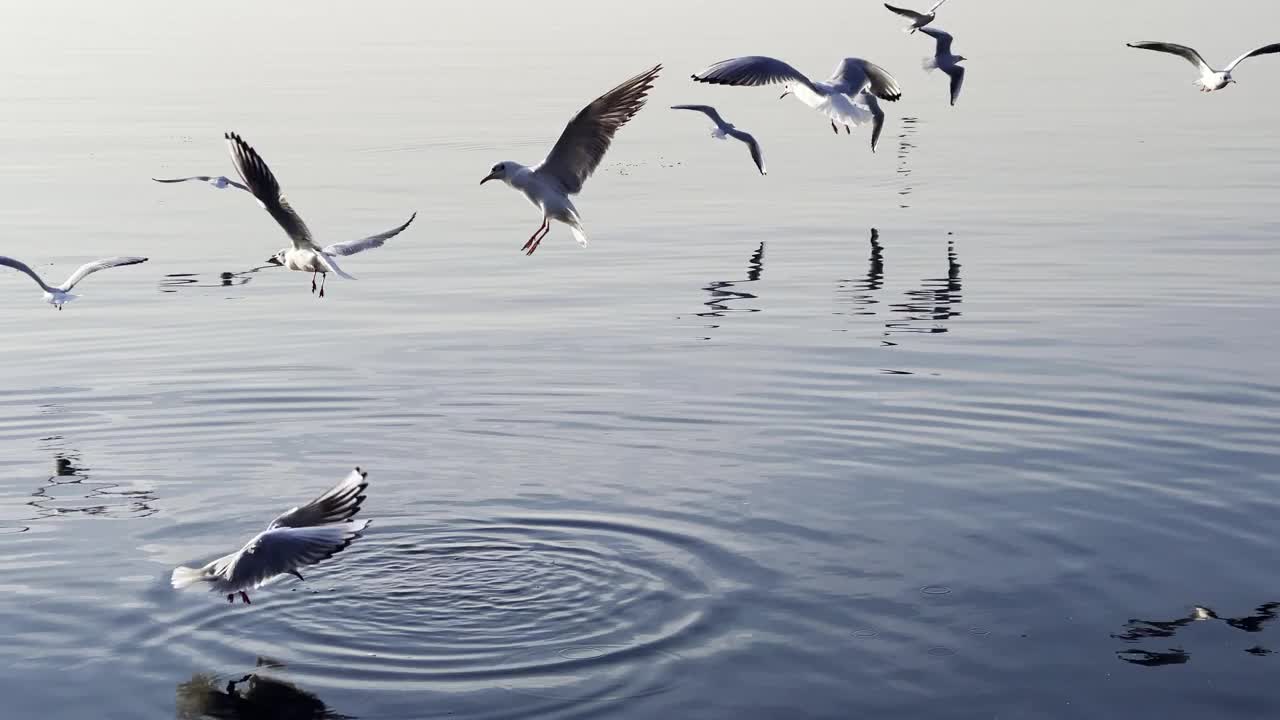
point(909, 14)
point(588, 135)
point(285, 550)
point(1264, 50)
point(752, 70)
point(937, 5)
point(957, 80)
point(89, 268)
point(22, 267)
point(351, 247)
point(1182, 51)
point(706, 110)
point(262, 183)
point(338, 504)
point(756, 155)
point(853, 75)
point(944, 40)
point(220, 181)
point(877, 115)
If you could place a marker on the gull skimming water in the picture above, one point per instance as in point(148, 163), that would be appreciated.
point(58, 295)
point(221, 182)
point(1209, 79)
point(724, 130)
point(945, 61)
point(918, 20)
point(574, 157)
point(833, 98)
point(300, 537)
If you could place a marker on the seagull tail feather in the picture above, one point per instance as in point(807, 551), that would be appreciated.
point(185, 576)
point(578, 235)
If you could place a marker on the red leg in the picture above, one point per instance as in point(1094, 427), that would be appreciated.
point(323, 278)
point(313, 281)
point(245, 597)
point(544, 225)
point(231, 598)
point(545, 229)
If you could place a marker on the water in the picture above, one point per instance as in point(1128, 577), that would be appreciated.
point(735, 460)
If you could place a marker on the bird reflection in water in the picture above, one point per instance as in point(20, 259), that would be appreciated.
point(174, 282)
point(932, 304)
point(253, 696)
point(725, 291)
point(905, 146)
point(861, 292)
point(1137, 630)
point(69, 491)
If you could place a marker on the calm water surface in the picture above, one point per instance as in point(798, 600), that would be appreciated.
point(961, 429)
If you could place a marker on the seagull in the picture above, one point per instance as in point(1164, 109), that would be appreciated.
point(1209, 79)
point(302, 536)
point(832, 98)
point(349, 247)
point(918, 20)
point(946, 62)
point(574, 157)
point(869, 101)
point(57, 295)
point(221, 182)
point(724, 129)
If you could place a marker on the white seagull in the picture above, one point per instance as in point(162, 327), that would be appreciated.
point(724, 129)
point(574, 157)
point(833, 98)
point(946, 62)
point(1209, 79)
point(869, 101)
point(918, 20)
point(57, 295)
point(302, 536)
point(221, 182)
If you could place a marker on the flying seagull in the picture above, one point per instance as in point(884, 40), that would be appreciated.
point(1209, 79)
point(946, 62)
point(57, 295)
point(832, 98)
point(724, 129)
point(574, 157)
point(869, 101)
point(918, 20)
point(221, 182)
point(302, 536)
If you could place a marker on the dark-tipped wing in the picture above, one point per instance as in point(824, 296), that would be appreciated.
point(285, 550)
point(1182, 51)
point(1264, 50)
point(957, 80)
point(92, 267)
point(23, 268)
point(752, 70)
point(910, 14)
point(853, 75)
point(706, 110)
point(877, 115)
point(756, 155)
point(339, 503)
point(262, 183)
point(944, 40)
point(351, 247)
point(588, 135)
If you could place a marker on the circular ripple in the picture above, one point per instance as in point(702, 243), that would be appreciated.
point(865, 633)
point(935, 590)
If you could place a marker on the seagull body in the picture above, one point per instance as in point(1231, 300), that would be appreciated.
point(301, 536)
point(869, 101)
point(1210, 79)
point(918, 20)
point(726, 130)
point(58, 295)
point(220, 182)
point(945, 61)
point(833, 98)
point(574, 157)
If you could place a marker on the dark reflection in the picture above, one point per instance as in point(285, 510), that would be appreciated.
point(1137, 630)
point(725, 291)
point(174, 282)
point(861, 291)
point(929, 307)
point(905, 146)
point(70, 491)
point(253, 696)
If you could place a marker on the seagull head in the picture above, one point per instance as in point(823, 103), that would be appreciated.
point(277, 259)
point(498, 172)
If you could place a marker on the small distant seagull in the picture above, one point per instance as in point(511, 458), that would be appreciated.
point(869, 101)
point(833, 98)
point(724, 129)
point(1209, 79)
point(946, 62)
point(220, 182)
point(574, 157)
point(302, 536)
point(57, 295)
point(918, 20)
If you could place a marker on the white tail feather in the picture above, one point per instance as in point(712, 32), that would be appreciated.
point(578, 235)
point(185, 576)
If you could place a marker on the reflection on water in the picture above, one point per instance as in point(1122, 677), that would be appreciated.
point(173, 282)
point(1137, 630)
point(253, 696)
point(929, 307)
point(905, 146)
point(861, 291)
point(723, 292)
point(69, 491)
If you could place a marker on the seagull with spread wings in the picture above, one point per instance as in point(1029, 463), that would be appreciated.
point(1209, 79)
point(220, 182)
point(918, 20)
point(833, 98)
point(726, 130)
point(58, 295)
point(574, 157)
point(942, 59)
point(300, 537)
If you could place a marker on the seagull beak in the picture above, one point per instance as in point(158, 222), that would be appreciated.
point(273, 260)
point(487, 178)
point(784, 94)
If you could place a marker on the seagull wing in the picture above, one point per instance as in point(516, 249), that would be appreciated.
point(756, 155)
point(331, 265)
point(221, 181)
point(22, 267)
point(351, 247)
point(264, 186)
point(89, 268)
point(588, 135)
point(284, 550)
point(1189, 54)
point(337, 504)
point(877, 116)
point(936, 5)
point(1264, 50)
point(752, 70)
point(957, 80)
point(910, 14)
point(853, 75)
point(706, 110)
point(944, 40)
